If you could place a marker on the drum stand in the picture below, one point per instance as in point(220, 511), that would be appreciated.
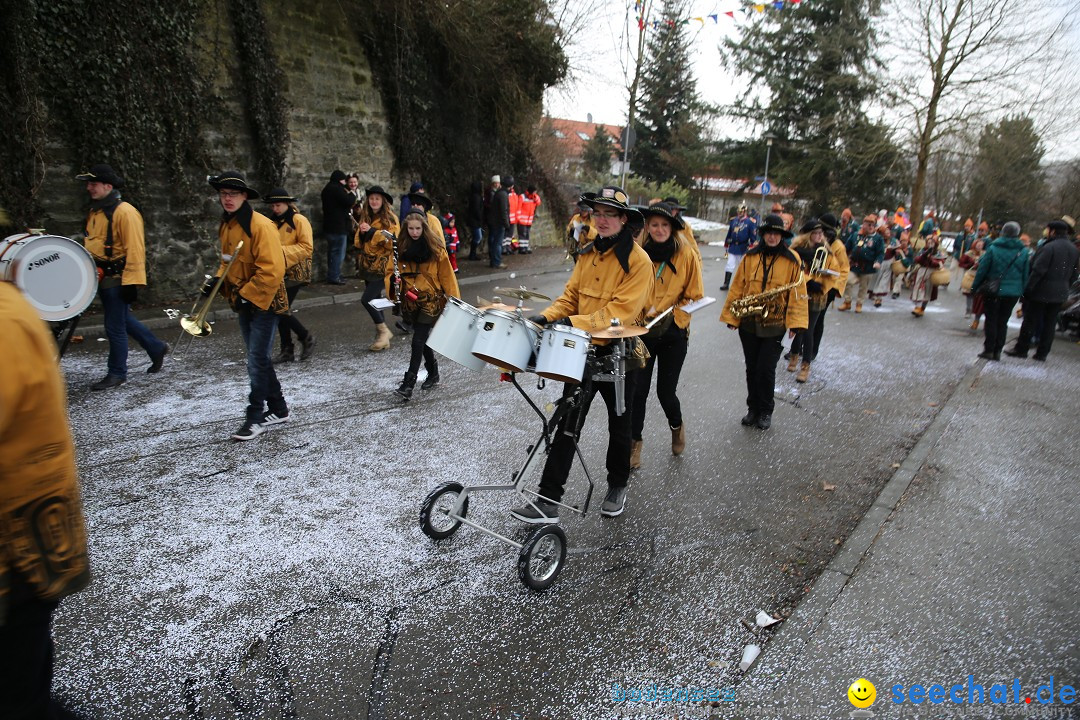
point(542, 554)
point(66, 328)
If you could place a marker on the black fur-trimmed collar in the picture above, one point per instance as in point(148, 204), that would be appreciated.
point(243, 216)
point(623, 244)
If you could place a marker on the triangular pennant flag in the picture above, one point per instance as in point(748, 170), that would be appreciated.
point(730, 14)
point(759, 8)
point(701, 20)
point(778, 5)
point(714, 18)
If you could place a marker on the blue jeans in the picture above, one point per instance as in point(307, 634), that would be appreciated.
point(119, 323)
point(335, 255)
point(477, 238)
point(495, 241)
point(257, 327)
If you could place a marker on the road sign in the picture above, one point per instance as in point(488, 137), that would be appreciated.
point(766, 188)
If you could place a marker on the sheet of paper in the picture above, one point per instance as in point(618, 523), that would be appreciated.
point(697, 304)
point(381, 304)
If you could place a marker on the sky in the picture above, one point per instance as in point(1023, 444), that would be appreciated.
point(601, 62)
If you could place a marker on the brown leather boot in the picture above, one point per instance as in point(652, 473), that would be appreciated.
point(858, 307)
point(845, 306)
point(635, 454)
point(793, 362)
point(678, 439)
point(804, 373)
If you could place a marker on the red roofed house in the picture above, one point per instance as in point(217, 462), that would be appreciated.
point(574, 135)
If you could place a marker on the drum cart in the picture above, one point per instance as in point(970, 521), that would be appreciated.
point(543, 552)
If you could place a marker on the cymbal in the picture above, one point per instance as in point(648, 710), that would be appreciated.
point(521, 294)
point(619, 331)
point(502, 306)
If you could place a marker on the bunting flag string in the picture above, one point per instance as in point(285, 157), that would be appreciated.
point(775, 5)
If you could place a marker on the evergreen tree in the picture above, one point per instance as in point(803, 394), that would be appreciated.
point(669, 144)
point(1007, 180)
point(596, 157)
point(818, 64)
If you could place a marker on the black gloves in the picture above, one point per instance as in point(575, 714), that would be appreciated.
point(539, 320)
point(813, 286)
point(208, 286)
point(565, 321)
point(833, 294)
point(129, 293)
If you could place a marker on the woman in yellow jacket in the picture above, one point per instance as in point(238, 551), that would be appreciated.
point(423, 281)
point(376, 255)
point(767, 266)
point(294, 231)
point(807, 245)
point(676, 281)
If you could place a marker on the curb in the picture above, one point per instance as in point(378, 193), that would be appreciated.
point(798, 631)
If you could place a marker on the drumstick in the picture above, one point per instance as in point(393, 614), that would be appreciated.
point(658, 317)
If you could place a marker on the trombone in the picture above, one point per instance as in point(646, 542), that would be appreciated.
point(195, 324)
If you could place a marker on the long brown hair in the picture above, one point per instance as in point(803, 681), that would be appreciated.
point(385, 216)
point(404, 240)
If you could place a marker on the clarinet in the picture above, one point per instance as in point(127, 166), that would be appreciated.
point(397, 272)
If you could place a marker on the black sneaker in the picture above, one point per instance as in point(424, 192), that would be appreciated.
point(271, 418)
point(430, 381)
point(764, 422)
point(544, 513)
point(750, 418)
point(109, 381)
point(157, 360)
point(248, 431)
point(614, 502)
point(287, 354)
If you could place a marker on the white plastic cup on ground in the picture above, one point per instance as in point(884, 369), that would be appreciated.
point(749, 655)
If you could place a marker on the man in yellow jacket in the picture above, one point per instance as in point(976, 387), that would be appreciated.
point(42, 532)
point(255, 287)
point(611, 281)
point(114, 236)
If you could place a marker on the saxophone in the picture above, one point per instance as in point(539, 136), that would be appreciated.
point(769, 306)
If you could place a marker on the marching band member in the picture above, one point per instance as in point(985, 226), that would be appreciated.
point(835, 285)
point(426, 279)
point(376, 255)
point(580, 231)
point(926, 262)
point(43, 555)
point(771, 269)
point(817, 288)
point(610, 281)
point(866, 251)
point(255, 287)
point(114, 236)
point(297, 242)
point(676, 281)
point(686, 235)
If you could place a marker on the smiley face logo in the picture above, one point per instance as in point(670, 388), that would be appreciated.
point(862, 693)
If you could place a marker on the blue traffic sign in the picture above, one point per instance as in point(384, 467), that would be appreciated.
point(766, 188)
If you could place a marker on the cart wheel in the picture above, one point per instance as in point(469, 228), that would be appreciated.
point(435, 512)
point(542, 557)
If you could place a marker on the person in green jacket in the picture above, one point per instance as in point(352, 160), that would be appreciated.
point(1005, 261)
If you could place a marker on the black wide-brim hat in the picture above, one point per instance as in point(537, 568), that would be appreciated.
point(232, 180)
point(666, 211)
point(101, 173)
point(377, 190)
point(828, 221)
point(1058, 226)
point(421, 199)
point(774, 223)
point(277, 195)
point(674, 203)
point(811, 225)
point(615, 197)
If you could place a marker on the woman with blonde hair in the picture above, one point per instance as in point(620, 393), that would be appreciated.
point(375, 254)
point(420, 282)
point(806, 246)
point(297, 242)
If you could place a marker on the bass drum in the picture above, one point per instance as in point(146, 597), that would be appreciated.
point(57, 275)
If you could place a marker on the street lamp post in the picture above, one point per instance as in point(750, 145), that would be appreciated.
point(769, 137)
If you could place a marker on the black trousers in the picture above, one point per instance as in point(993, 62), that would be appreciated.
point(372, 290)
point(761, 355)
point(668, 354)
point(561, 455)
point(805, 342)
point(997, 311)
point(1040, 319)
point(420, 349)
point(819, 330)
point(26, 661)
point(288, 324)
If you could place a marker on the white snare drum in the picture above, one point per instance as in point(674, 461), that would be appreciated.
point(562, 353)
point(57, 275)
point(455, 332)
point(506, 340)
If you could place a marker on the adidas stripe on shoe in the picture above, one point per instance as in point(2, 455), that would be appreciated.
point(274, 419)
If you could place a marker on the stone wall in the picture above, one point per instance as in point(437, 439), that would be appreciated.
point(336, 121)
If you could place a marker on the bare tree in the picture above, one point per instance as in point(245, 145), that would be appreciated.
point(962, 60)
